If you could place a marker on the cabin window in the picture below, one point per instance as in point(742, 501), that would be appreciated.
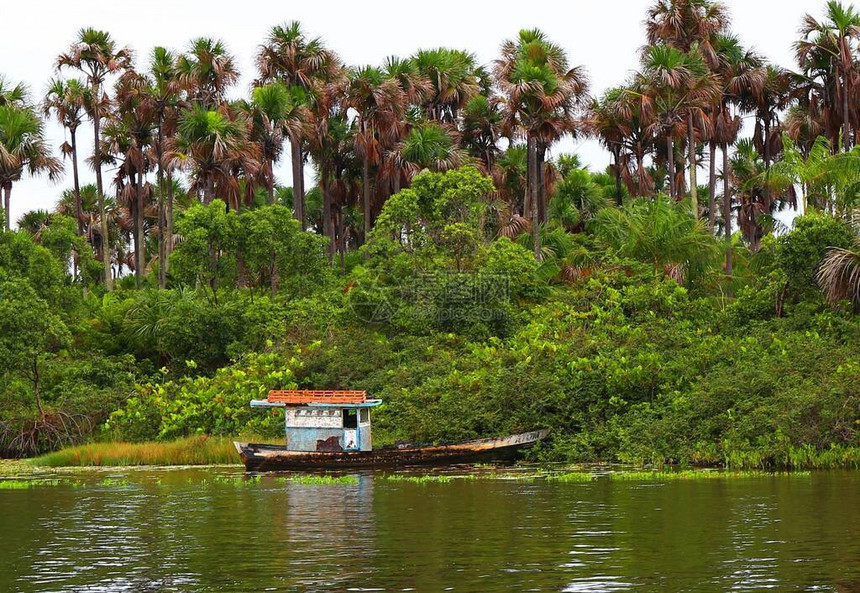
point(350, 419)
point(364, 415)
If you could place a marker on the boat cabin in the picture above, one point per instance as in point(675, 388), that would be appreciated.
point(332, 421)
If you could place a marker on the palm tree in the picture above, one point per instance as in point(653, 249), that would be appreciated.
point(35, 222)
point(677, 89)
point(91, 221)
point(660, 232)
point(86, 216)
point(380, 105)
point(208, 144)
point(415, 85)
point(22, 149)
point(95, 54)
point(274, 112)
point(767, 99)
point(576, 198)
point(628, 108)
point(15, 96)
point(691, 27)
point(839, 274)
point(609, 119)
point(132, 132)
point(481, 129)
point(207, 70)
point(827, 54)
point(288, 56)
point(427, 146)
point(741, 74)
point(453, 79)
point(510, 177)
point(542, 94)
point(165, 99)
point(759, 194)
point(67, 101)
point(331, 143)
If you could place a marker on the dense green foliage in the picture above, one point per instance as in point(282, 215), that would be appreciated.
point(461, 333)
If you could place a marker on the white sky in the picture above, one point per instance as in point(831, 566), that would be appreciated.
point(603, 35)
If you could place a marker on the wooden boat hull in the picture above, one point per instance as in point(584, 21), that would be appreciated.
point(258, 457)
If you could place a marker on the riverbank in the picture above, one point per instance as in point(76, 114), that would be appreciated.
point(206, 451)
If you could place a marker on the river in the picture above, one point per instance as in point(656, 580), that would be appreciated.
point(207, 530)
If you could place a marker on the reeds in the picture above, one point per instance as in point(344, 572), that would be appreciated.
point(200, 450)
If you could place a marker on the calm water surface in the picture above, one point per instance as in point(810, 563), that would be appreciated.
point(181, 530)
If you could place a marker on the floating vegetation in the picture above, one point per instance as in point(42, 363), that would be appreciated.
point(237, 480)
point(113, 482)
point(526, 478)
point(639, 475)
point(429, 479)
point(694, 475)
point(418, 479)
point(26, 484)
point(319, 480)
point(572, 477)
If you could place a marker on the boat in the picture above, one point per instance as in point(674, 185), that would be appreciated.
point(332, 430)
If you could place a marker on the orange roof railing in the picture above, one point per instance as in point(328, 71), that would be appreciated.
point(305, 396)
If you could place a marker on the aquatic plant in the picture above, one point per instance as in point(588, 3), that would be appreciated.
point(318, 480)
point(418, 479)
point(572, 477)
point(26, 484)
point(694, 475)
point(113, 482)
point(237, 480)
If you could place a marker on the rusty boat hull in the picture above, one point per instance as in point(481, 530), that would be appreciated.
point(258, 457)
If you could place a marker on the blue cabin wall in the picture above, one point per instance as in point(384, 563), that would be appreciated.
point(310, 428)
point(314, 439)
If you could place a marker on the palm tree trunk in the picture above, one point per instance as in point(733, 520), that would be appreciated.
point(533, 194)
point(727, 210)
point(540, 177)
point(691, 146)
point(169, 221)
point(670, 148)
point(162, 215)
point(766, 152)
point(271, 182)
point(208, 190)
point(365, 190)
point(141, 239)
point(135, 238)
point(619, 197)
point(328, 226)
point(712, 186)
point(341, 240)
point(97, 157)
point(845, 117)
point(79, 210)
point(7, 199)
point(79, 207)
point(298, 181)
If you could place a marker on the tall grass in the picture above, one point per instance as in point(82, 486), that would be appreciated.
point(200, 450)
